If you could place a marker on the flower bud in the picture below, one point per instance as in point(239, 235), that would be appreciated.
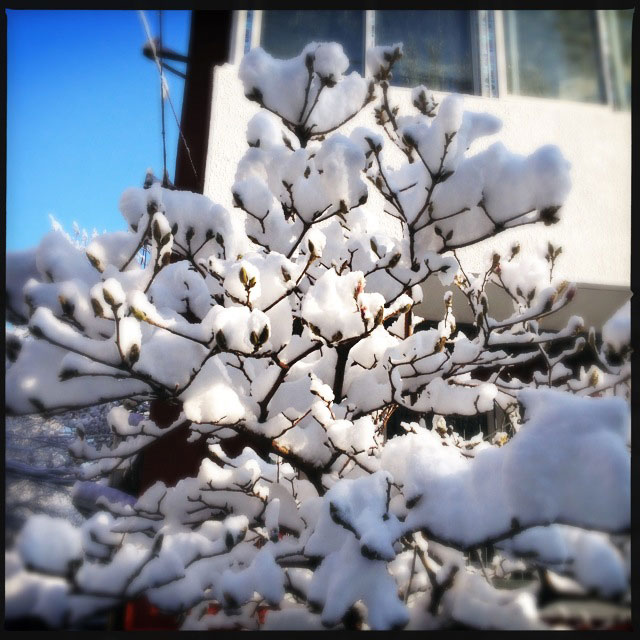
point(134, 354)
point(221, 340)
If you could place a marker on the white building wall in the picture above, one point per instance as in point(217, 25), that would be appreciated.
point(595, 225)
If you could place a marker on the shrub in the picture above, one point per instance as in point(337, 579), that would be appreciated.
point(287, 345)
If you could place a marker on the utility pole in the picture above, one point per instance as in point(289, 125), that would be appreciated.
point(208, 46)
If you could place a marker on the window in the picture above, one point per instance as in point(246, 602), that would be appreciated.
point(284, 33)
point(438, 48)
point(580, 55)
point(554, 54)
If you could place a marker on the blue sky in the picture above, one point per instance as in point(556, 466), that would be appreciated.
point(83, 116)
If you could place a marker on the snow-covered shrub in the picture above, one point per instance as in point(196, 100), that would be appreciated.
point(297, 334)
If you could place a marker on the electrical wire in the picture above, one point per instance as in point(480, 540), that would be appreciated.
point(165, 93)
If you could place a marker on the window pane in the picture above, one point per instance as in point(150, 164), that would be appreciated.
point(437, 48)
point(285, 33)
point(619, 23)
point(247, 30)
point(553, 53)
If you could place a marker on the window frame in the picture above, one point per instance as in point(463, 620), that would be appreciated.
point(489, 66)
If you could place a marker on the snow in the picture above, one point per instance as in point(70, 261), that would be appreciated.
point(281, 84)
point(263, 131)
point(288, 329)
point(588, 556)
point(472, 601)
point(113, 248)
point(262, 575)
point(616, 332)
point(329, 60)
point(211, 398)
point(288, 619)
point(589, 437)
point(21, 267)
point(345, 577)
point(525, 481)
point(525, 274)
point(49, 544)
point(378, 57)
point(343, 294)
point(58, 256)
point(422, 98)
point(242, 281)
point(33, 377)
point(43, 597)
point(537, 181)
point(450, 113)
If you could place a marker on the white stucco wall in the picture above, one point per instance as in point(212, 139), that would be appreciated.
point(595, 226)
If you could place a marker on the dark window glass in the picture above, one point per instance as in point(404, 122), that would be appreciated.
point(285, 33)
point(619, 23)
point(247, 31)
point(437, 48)
point(554, 53)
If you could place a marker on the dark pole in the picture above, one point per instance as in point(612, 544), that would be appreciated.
point(208, 46)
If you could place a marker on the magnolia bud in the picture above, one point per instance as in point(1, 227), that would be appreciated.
point(157, 233)
point(314, 329)
point(108, 298)
point(394, 261)
point(67, 307)
point(138, 314)
point(308, 61)
point(221, 340)
point(550, 302)
point(562, 286)
point(134, 354)
point(36, 332)
point(67, 374)
point(95, 263)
